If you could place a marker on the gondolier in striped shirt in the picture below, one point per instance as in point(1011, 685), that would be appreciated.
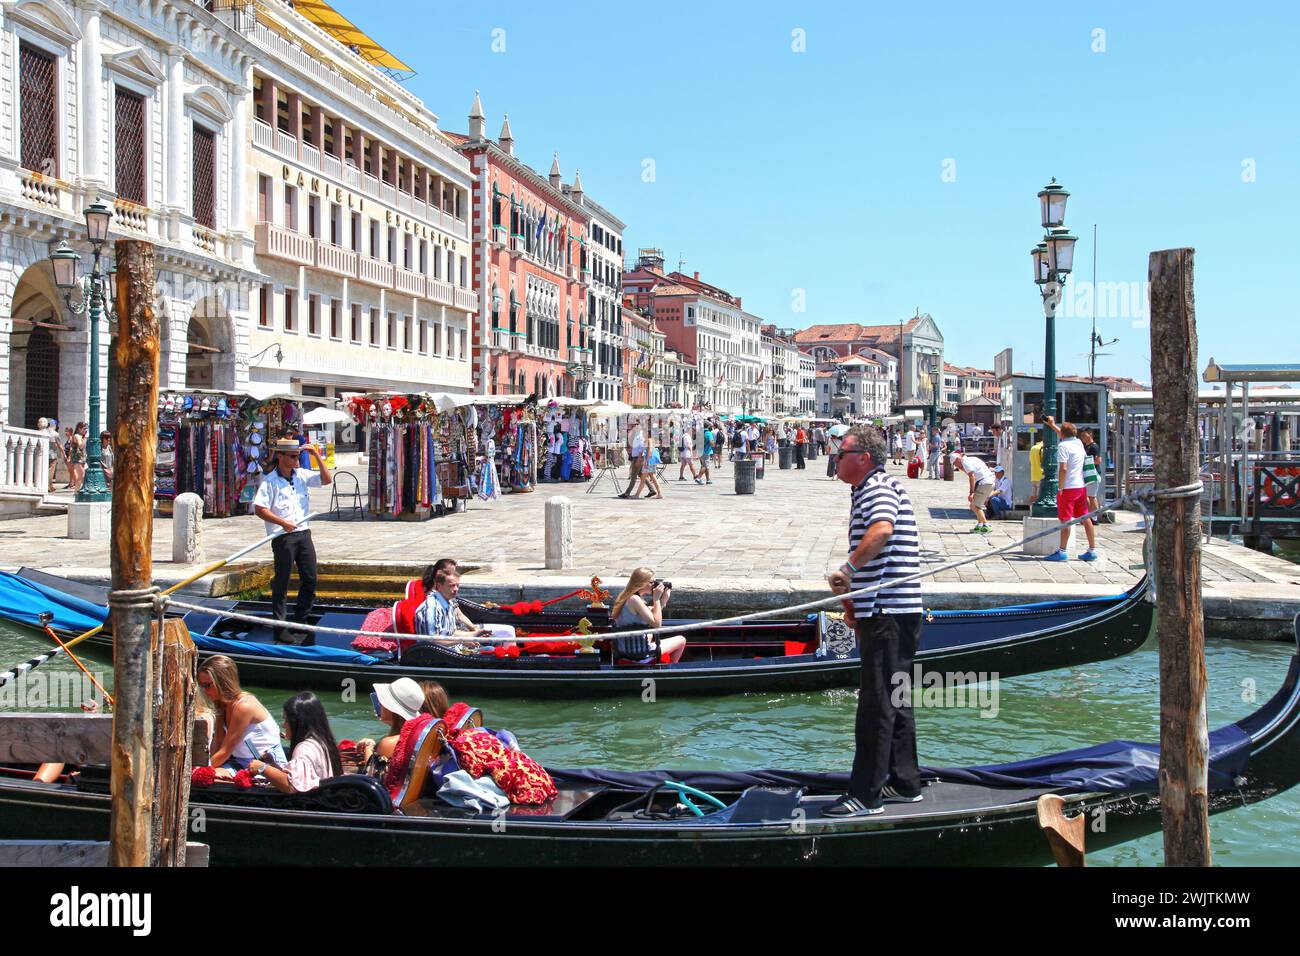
point(882, 546)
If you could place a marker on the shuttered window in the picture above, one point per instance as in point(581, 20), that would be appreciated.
point(39, 109)
point(130, 146)
point(204, 177)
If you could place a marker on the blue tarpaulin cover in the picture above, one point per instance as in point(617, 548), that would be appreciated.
point(1119, 765)
point(23, 601)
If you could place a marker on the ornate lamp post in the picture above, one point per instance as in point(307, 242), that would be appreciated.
point(1053, 261)
point(95, 288)
point(935, 377)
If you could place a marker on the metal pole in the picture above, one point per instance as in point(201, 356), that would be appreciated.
point(94, 487)
point(1045, 506)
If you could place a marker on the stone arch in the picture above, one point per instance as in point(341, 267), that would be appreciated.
point(210, 346)
point(48, 361)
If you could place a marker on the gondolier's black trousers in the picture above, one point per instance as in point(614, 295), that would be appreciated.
point(885, 730)
point(288, 550)
point(798, 454)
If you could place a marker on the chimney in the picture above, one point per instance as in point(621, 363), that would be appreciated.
point(697, 275)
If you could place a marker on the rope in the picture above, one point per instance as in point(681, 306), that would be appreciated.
point(1182, 491)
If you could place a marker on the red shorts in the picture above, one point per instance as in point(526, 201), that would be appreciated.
point(1071, 503)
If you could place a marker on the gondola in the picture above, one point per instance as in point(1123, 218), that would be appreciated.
point(810, 653)
point(970, 816)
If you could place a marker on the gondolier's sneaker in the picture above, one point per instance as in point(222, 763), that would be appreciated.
point(1088, 556)
point(892, 793)
point(1057, 556)
point(851, 807)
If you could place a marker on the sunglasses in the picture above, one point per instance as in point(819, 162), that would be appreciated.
point(205, 686)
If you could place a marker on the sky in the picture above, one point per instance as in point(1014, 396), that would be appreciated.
point(857, 162)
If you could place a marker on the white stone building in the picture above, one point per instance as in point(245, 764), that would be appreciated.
point(807, 387)
point(867, 384)
point(362, 209)
point(143, 105)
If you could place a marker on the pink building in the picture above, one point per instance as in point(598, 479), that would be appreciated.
point(530, 268)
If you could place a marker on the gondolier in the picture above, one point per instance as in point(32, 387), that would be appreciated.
point(882, 546)
point(281, 502)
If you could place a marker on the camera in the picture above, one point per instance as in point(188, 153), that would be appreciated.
point(668, 585)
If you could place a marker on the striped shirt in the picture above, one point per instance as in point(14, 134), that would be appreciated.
point(881, 498)
point(436, 617)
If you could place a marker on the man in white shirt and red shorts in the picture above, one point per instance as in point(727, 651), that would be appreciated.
point(1071, 492)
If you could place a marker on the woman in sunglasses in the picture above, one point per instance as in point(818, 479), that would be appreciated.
point(315, 755)
point(245, 730)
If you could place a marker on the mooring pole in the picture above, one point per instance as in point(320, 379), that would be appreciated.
point(1175, 445)
point(130, 602)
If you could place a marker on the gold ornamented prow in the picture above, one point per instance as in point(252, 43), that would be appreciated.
point(596, 596)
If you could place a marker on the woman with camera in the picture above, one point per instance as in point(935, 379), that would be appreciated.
point(642, 605)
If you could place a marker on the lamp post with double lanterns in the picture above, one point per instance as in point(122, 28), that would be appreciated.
point(1053, 261)
point(95, 289)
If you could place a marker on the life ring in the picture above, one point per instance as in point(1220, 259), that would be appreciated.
point(1284, 500)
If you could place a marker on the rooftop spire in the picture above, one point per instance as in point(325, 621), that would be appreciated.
point(507, 139)
point(477, 121)
point(555, 170)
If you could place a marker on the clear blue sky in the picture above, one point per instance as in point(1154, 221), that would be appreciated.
point(824, 170)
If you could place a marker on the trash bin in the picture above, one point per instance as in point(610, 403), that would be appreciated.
point(809, 451)
point(744, 476)
point(786, 453)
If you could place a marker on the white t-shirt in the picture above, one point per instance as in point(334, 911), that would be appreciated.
point(638, 444)
point(1070, 453)
point(973, 466)
point(287, 497)
point(909, 442)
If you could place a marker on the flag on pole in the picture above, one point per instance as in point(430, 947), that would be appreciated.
point(541, 224)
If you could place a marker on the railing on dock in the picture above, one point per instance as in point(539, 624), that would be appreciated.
point(24, 462)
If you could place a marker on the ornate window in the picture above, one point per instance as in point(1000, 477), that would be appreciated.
point(39, 109)
point(204, 177)
point(129, 162)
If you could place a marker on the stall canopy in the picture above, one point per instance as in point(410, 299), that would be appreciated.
point(325, 416)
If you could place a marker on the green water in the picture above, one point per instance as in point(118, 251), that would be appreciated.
point(1038, 714)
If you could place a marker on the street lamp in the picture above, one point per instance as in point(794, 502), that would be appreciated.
point(935, 376)
point(95, 288)
point(1053, 260)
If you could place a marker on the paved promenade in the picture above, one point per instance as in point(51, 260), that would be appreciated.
point(786, 537)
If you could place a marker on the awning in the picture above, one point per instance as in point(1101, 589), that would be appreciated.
point(347, 33)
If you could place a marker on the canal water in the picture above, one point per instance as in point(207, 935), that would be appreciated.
point(1031, 715)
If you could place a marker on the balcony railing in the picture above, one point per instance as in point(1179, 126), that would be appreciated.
point(441, 292)
point(335, 259)
point(503, 340)
point(374, 272)
point(410, 283)
point(287, 244)
point(466, 299)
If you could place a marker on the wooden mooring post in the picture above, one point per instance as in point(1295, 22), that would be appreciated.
point(133, 772)
point(1184, 735)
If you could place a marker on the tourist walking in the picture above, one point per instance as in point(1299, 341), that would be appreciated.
point(909, 446)
point(936, 454)
point(282, 503)
point(1072, 492)
point(635, 459)
point(981, 487)
point(883, 547)
point(898, 445)
point(1036, 466)
point(832, 453)
point(709, 437)
point(688, 456)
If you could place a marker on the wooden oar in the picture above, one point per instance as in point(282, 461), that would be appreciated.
point(194, 577)
point(55, 638)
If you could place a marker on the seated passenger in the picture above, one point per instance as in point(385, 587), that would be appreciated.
point(245, 731)
point(436, 700)
point(642, 604)
point(439, 616)
point(314, 754)
point(1000, 501)
point(394, 704)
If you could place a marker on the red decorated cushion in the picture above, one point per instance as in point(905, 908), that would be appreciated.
point(523, 779)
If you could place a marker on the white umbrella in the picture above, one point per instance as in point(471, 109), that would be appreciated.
point(838, 430)
point(325, 416)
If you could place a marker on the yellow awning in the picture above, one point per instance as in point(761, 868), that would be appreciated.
point(347, 33)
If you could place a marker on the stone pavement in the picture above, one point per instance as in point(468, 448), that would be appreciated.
point(787, 536)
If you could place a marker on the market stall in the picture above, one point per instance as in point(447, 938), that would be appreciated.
point(212, 444)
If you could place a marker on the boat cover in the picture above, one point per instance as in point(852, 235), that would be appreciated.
point(1120, 765)
point(22, 601)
